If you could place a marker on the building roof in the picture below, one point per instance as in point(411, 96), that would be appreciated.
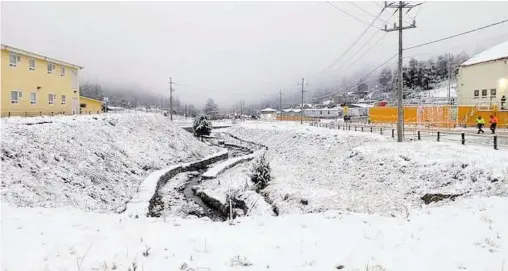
point(268, 109)
point(91, 99)
point(497, 52)
point(38, 56)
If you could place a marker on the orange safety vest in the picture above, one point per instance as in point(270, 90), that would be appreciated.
point(493, 120)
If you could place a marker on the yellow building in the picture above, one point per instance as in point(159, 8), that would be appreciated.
point(34, 84)
point(89, 106)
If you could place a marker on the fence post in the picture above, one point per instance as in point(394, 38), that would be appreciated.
point(381, 130)
point(419, 136)
point(26, 114)
point(355, 128)
point(371, 129)
point(349, 127)
point(51, 113)
point(438, 135)
point(393, 133)
point(40, 113)
point(362, 128)
point(495, 142)
point(463, 137)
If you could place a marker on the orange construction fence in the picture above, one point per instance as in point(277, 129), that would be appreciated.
point(437, 115)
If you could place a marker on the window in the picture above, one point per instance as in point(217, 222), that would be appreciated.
point(51, 98)
point(64, 100)
point(62, 71)
point(476, 94)
point(82, 105)
point(15, 95)
point(493, 93)
point(14, 60)
point(74, 80)
point(31, 64)
point(484, 93)
point(51, 68)
point(328, 112)
point(33, 98)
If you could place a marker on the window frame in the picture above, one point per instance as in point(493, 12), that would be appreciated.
point(485, 93)
point(17, 60)
point(33, 101)
point(17, 96)
point(63, 97)
point(493, 93)
point(30, 61)
point(51, 101)
point(476, 94)
point(52, 65)
point(62, 70)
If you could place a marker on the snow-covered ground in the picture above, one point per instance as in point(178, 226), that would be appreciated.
point(347, 201)
point(317, 169)
point(89, 162)
point(470, 235)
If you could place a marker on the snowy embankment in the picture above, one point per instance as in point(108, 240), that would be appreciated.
point(89, 162)
point(471, 235)
point(319, 169)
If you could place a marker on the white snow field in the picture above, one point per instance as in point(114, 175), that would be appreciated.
point(90, 162)
point(317, 169)
point(470, 235)
point(347, 201)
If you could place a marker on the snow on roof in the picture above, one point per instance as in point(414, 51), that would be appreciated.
point(268, 109)
point(497, 52)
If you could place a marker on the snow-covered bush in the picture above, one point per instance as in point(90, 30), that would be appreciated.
point(261, 173)
point(202, 126)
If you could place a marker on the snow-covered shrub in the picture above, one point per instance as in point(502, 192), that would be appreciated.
point(202, 126)
point(261, 173)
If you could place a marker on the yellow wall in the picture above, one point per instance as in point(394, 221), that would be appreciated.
point(25, 80)
point(468, 114)
point(90, 106)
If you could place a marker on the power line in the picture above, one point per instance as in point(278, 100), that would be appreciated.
point(352, 3)
point(354, 43)
point(456, 35)
point(350, 15)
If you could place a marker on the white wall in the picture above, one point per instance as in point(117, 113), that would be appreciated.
point(489, 75)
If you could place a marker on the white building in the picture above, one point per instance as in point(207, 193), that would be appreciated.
point(324, 113)
point(483, 79)
point(268, 114)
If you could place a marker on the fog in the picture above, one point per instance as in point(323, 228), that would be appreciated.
point(233, 51)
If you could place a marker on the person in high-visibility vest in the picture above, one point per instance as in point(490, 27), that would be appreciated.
point(479, 123)
point(493, 123)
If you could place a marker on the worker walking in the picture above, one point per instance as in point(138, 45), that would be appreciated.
point(479, 123)
point(493, 123)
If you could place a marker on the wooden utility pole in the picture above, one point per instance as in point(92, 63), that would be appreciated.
point(171, 98)
point(280, 104)
point(400, 91)
point(301, 105)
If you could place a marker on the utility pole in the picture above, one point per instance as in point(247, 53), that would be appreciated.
point(449, 76)
point(301, 105)
point(400, 107)
point(280, 104)
point(171, 98)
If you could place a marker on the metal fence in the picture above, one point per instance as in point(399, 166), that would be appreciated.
point(464, 137)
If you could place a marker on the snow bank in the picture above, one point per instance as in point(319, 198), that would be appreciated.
point(318, 169)
point(90, 162)
point(221, 167)
point(468, 235)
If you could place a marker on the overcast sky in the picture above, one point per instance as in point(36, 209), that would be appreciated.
point(233, 50)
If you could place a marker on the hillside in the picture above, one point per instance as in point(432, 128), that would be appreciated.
point(89, 162)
